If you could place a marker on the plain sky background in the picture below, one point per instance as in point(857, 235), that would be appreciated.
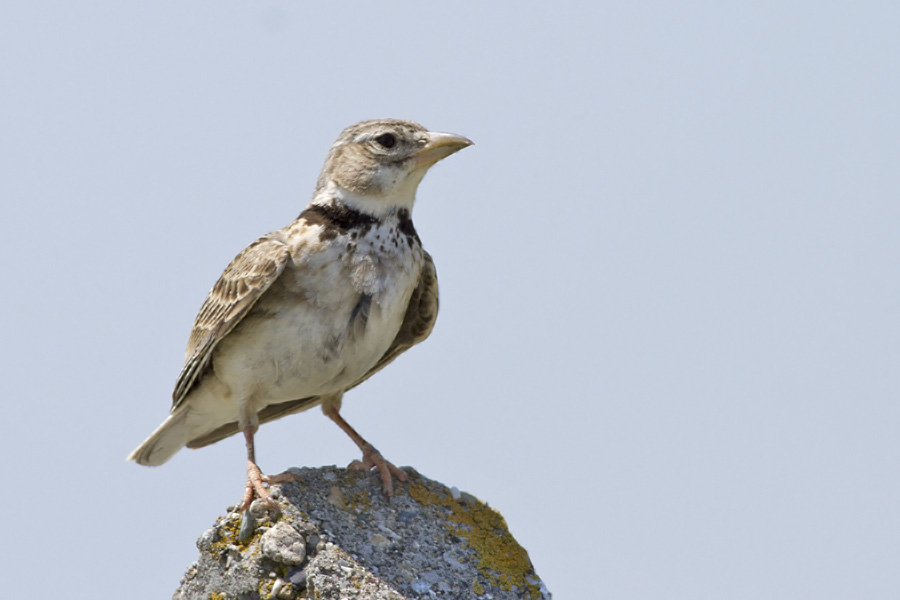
point(668, 343)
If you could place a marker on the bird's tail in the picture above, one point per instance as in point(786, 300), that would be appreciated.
point(169, 438)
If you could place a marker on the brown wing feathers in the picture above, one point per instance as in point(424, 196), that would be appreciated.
point(234, 294)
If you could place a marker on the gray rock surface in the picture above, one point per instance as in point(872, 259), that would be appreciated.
point(337, 536)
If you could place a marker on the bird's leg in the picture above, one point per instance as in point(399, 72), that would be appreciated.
point(255, 478)
point(371, 457)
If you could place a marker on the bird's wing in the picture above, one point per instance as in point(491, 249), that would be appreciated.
point(418, 322)
point(231, 298)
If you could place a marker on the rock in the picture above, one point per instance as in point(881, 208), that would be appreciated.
point(338, 537)
point(283, 544)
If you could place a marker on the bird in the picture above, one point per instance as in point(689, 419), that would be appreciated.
point(306, 313)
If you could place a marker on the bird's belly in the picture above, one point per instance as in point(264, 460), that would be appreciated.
point(307, 350)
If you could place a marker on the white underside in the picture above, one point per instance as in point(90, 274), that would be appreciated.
point(302, 343)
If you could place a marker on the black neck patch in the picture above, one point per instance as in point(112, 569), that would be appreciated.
point(336, 219)
point(405, 225)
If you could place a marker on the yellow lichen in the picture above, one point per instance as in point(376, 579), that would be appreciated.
point(228, 531)
point(361, 502)
point(265, 587)
point(501, 560)
point(217, 596)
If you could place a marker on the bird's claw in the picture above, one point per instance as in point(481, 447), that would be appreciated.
point(372, 459)
point(255, 487)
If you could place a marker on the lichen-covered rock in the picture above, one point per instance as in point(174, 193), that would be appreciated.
point(339, 537)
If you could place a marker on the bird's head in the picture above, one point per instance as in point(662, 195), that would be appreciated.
point(377, 165)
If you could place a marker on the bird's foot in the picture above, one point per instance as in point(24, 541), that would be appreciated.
point(256, 488)
point(372, 459)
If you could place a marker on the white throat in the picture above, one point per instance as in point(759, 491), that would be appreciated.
point(398, 197)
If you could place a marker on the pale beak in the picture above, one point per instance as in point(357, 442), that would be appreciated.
point(440, 145)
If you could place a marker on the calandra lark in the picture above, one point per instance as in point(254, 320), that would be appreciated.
point(308, 312)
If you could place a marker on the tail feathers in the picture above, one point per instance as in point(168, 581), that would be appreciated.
point(169, 438)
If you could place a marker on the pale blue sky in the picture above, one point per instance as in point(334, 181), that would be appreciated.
point(668, 343)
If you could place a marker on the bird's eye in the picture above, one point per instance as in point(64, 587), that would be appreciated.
point(387, 140)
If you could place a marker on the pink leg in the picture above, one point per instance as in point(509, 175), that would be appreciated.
point(255, 478)
point(371, 457)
